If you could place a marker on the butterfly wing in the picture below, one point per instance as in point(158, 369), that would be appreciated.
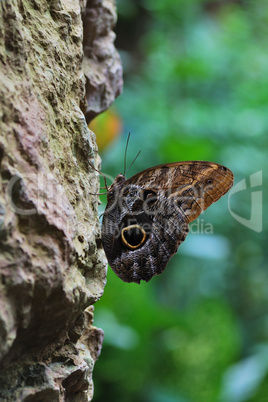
point(147, 216)
point(140, 239)
point(193, 186)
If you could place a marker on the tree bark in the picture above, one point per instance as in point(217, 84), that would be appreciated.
point(52, 264)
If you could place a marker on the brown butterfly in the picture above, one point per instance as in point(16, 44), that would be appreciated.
point(147, 216)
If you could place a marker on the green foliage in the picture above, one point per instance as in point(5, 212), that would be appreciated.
point(199, 90)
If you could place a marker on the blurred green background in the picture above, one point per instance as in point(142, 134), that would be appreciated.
point(196, 87)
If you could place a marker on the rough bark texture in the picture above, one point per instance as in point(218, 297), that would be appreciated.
point(52, 265)
point(101, 64)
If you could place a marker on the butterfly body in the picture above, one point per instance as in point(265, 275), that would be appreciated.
point(147, 216)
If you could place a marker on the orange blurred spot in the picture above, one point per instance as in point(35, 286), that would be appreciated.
point(107, 126)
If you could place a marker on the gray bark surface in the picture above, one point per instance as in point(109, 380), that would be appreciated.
point(52, 266)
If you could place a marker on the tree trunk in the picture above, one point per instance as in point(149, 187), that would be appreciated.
point(52, 264)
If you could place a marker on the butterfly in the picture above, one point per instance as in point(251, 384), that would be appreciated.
point(147, 216)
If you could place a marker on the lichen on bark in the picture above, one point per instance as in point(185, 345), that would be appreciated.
point(52, 266)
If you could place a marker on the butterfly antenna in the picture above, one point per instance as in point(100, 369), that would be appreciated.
point(133, 161)
point(104, 177)
point(125, 158)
